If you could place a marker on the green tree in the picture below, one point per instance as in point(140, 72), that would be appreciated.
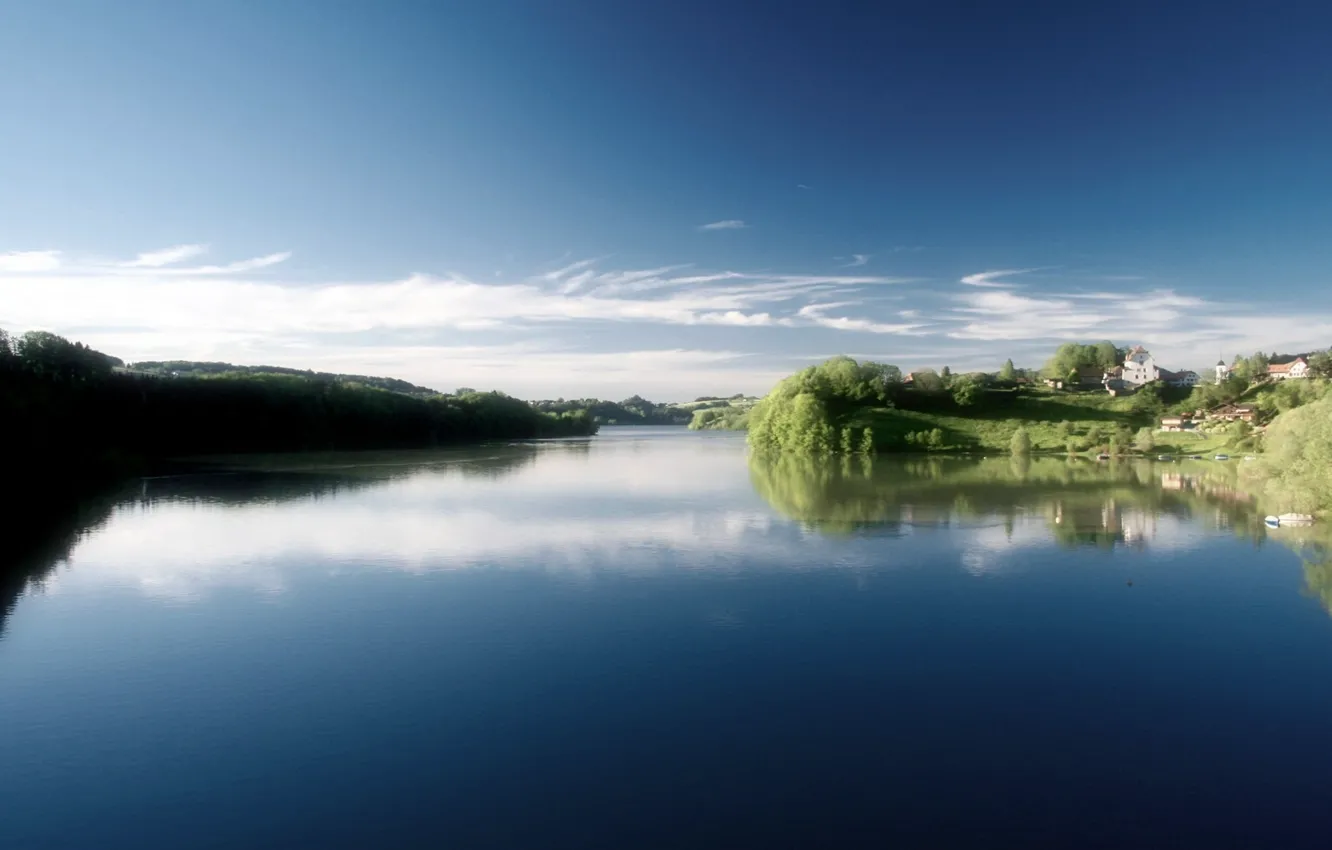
point(1297, 459)
point(1145, 440)
point(1251, 368)
point(1149, 400)
point(867, 441)
point(935, 439)
point(1096, 436)
point(1007, 372)
point(1064, 429)
point(966, 390)
point(1107, 355)
point(945, 373)
point(926, 380)
point(1071, 356)
point(1320, 365)
point(848, 445)
point(1021, 442)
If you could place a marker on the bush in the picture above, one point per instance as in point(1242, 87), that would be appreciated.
point(1021, 443)
point(1145, 440)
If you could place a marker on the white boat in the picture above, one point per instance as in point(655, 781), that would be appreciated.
point(1163, 457)
point(1289, 519)
point(1221, 457)
point(1250, 457)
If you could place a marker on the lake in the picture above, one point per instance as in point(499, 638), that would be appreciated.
point(647, 639)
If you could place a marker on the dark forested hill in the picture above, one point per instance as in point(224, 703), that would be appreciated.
point(199, 369)
point(60, 399)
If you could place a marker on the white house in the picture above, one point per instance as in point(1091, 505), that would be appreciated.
point(1222, 371)
point(1297, 368)
point(1139, 367)
point(1187, 378)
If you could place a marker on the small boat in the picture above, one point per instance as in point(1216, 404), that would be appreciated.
point(1194, 457)
point(1163, 457)
point(1103, 456)
point(1288, 519)
point(1222, 457)
point(1250, 457)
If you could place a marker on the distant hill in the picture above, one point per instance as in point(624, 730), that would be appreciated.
point(638, 410)
point(204, 369)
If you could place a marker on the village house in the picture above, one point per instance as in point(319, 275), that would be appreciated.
point(1176, 423)
point(1187, 378)
point(1232, 413)
point(1091, 376)
point(1139, 367)
point(1296, 367)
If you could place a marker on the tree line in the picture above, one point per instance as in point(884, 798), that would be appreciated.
point(60, 398)
point(195, 368)
point(634, 410)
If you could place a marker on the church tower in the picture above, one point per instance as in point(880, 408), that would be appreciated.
point(1222, 371)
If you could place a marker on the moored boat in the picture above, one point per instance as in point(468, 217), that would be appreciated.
point(1288, 519)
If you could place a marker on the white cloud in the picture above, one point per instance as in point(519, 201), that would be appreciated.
point(246, 265)
point(395, 327)
point(815, 314)
point(166, 256)
point(728, 224)
point(857, 260)
point(29, 261)
point(991, 278)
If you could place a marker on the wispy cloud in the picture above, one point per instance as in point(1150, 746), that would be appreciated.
point(815, 313)
point(991, 278)
point(227, 304)
point(166, 256)
point(29, 261)
point(243, 312)
point(728, 224)
point(801, 186)
point(246, 265)
point(856, 261)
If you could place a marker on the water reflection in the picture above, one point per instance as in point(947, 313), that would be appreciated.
point(641, 502)
point(1084, 502)
point(1074, 502)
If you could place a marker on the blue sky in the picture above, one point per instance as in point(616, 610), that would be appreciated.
point(518, 194)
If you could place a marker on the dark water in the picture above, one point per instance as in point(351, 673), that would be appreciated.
point(647, 641)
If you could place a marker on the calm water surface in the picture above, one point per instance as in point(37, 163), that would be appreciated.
point(649, 640)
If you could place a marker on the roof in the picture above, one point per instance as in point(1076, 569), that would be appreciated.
point(1116, 372)
point(1090, 371)
point(1284, 367)
point(1220, 362)
point(1167, 375)
point(1137, 349)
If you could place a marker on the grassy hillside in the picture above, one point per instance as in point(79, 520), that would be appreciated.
point(1051, 420)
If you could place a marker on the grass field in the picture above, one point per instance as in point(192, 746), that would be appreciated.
point(990, 425)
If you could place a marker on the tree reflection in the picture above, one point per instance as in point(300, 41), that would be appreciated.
point(60, 505)
point(1084, 503)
